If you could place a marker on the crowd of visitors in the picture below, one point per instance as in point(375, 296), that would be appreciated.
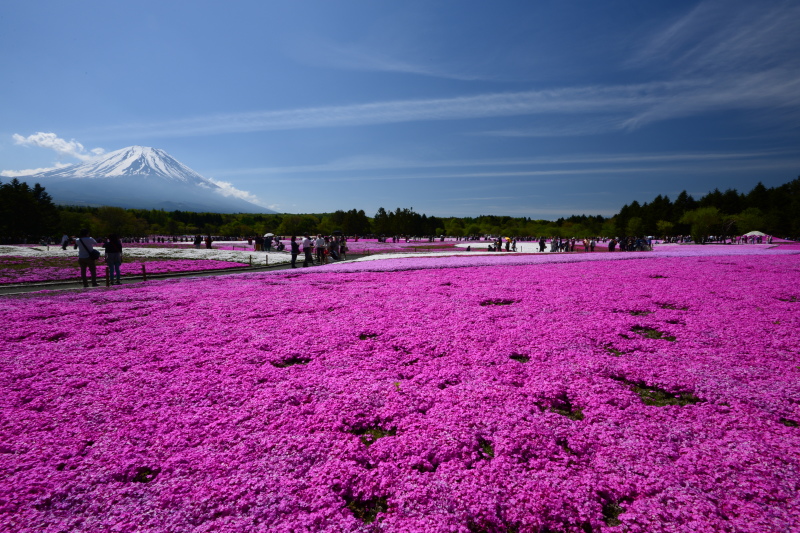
point(563, 245)
point(324, 248)
point(752, 239)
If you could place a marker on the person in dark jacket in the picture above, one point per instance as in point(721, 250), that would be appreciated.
point(295, 250)
point(113, 248)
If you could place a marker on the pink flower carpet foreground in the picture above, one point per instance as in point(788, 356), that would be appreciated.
point(649, 395)
point(41, 269)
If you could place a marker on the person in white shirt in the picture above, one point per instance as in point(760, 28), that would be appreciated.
point(319, 245)
point(307, 251)
point(86, 245)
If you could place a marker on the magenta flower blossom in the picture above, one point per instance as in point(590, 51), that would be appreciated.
point(39, 269)
point(646, 393)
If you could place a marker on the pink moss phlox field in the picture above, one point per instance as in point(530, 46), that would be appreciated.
point(657, 394)
point(38, 269)
point(494, 259)
point(374, 247)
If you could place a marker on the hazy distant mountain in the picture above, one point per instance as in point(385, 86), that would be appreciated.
point(139, 177)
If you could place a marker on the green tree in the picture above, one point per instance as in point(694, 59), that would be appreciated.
point(703, 221)
point(327, 226)
point(298, 225)
point(381, 223)
point(114, 220)
point(454, 227)
point(665, 227)
point(26, 212)
point(473, 229)
point(751, 219)
point(634, 226)
point(356, 223)
point(609, 228)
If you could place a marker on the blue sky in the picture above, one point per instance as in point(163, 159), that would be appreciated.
point(462, 108)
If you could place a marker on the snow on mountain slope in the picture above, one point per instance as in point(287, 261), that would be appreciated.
point(131, 161)
point(139, 177)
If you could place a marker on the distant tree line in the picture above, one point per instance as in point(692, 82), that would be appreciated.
point(774, 211)
point(26, 211)
point(28, 214)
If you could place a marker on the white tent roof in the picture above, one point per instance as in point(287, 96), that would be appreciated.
point(756, 233)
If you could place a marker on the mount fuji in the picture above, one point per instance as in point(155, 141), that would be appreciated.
point(139, 177)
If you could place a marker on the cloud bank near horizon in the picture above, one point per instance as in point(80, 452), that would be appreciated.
point(51, 141)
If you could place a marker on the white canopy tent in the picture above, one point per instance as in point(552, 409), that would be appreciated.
point(756, 233)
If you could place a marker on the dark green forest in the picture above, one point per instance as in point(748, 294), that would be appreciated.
point(28, 214)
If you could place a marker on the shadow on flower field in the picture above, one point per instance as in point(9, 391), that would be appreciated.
point(639, 395)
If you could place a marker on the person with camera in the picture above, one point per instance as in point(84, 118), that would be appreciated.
point(87, 256)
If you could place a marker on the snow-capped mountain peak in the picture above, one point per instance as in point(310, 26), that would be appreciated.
point(132, 161)
point(141, 177)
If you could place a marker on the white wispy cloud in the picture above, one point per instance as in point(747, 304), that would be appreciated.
point(575, 128)
point(227, 189)
point(358, 164)
point(560, 175)
point(373, 51)
point(30, 171)
point(62, 147)
point(740, 55)
point(722, 55)
point(569, 101)
point(639, 104)
point(720, 36)
point(582, 172)
point(359, 57)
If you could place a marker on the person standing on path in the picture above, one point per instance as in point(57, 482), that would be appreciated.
point(307, 251)
point(319, 246)
point(86, 246)
point(295, 250)
point(113, 248)
point(333, 248)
